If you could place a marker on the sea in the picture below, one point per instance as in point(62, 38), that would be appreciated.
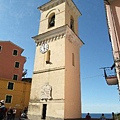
point(97, 115)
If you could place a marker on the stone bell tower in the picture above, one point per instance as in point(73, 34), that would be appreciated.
point(56, 91)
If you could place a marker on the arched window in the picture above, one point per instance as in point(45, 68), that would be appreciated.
point(51, 20)
point(72, 23)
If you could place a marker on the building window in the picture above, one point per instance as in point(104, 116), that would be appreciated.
point(8, 99)
point(15, 52)
point(73, 59)
point(51, 20)
point(10, 85)
point(0, 48)
point(48, 57)
point(17, 64)
point(72, 23)
point(15, 77)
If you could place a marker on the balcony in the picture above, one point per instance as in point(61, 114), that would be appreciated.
point(110, 79)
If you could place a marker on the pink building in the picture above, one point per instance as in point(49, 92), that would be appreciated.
point(113, 19)
point(11, 61)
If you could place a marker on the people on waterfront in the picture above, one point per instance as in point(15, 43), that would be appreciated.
point(2, 110)
point(88, 117)
point(14, 113)
point(102, 117)
point(113, 116)
point(10, 113)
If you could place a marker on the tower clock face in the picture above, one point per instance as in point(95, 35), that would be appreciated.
point(44, 48)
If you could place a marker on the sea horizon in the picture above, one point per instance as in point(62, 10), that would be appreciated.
point(97, 115)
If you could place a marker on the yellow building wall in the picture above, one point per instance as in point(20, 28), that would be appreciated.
point(20, 94)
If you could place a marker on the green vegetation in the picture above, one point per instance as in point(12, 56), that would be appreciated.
point(117, 116)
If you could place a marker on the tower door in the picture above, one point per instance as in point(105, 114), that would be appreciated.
point(44, 111)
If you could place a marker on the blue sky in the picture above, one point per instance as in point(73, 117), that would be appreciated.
point(19, 21)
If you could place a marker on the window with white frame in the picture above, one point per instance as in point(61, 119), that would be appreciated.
point(15, 77)
point(10, 85)
point(0, 48)
point(15, 52)
point(8, 99)
point(17, 64)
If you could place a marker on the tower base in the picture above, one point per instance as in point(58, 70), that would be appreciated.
point(38, 117)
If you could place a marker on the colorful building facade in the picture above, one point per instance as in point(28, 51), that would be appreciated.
point(14, 89)
point(11, 61)
point(112, 8)
point(15, 94)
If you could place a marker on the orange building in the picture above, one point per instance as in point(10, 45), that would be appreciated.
point(15, 93)
point(112, 8)
point(11, 61)
point(14, 89)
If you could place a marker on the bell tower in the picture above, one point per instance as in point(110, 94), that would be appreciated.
point(56, 87)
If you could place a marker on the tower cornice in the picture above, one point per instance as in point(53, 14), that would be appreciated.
point(57, 34)
point(50, 35)
point(50, 5)
point(54, 3)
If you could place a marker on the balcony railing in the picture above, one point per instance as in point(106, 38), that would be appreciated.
point(110, 79)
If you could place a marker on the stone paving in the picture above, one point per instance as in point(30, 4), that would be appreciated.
point(70, 119)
